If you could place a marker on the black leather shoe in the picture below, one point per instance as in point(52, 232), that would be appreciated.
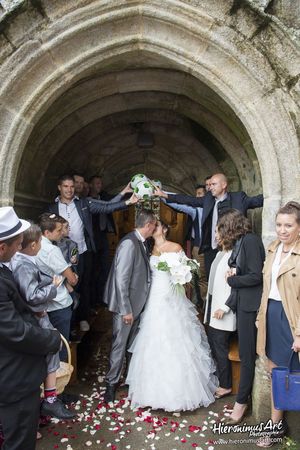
point(67, 399)
point(110, 393)
point(56, 409)
point(75, 337)
point(76, 299)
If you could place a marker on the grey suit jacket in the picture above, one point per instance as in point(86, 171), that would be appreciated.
point(35, 286)
point(129, 279)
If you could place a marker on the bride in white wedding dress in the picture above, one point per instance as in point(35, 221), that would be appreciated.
point(171, 367)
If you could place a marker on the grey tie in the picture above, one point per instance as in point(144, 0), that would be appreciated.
point(145, 243)
point(214, 243)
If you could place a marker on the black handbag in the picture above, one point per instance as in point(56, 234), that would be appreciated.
point(232, 261)
point(232, 300)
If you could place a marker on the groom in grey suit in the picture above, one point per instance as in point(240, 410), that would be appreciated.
point(126, 292)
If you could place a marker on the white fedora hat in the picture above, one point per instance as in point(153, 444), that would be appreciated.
point(10, 224)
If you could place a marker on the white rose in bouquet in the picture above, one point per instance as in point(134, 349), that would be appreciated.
point(172, 259)
point(181, 274)
point(180, 267)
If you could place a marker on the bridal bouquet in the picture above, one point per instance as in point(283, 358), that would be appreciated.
point(180, 267)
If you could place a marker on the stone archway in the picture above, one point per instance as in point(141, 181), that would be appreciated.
point(195, 41)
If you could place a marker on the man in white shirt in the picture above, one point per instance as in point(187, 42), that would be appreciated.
point(78, 212)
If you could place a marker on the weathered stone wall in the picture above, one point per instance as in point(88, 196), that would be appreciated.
point(216, 82)
point(219, 33)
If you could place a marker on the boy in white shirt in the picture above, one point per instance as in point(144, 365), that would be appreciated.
point(50, 260)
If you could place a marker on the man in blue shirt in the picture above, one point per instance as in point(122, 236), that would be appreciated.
point(217, 201)
point(193, 234)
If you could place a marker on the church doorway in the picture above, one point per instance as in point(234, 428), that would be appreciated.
point(121, 89)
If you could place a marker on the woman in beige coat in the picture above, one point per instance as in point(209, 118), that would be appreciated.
point(278, 319)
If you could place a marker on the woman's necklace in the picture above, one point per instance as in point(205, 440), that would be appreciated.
point(291, 249)
point(159, 247)
point(292, 246)
point(286, 253)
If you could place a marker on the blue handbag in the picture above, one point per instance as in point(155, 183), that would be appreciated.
point(286, 387)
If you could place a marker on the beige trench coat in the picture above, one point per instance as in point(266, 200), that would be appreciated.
point(288, 282)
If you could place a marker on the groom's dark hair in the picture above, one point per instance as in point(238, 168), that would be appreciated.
point(143, 217)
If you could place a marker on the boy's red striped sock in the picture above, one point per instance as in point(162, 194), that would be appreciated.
point(50, 395)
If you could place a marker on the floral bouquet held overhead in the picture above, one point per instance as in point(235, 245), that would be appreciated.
point(144, 189)
point(180, 267)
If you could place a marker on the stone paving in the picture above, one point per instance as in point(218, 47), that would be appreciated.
point(117, 427)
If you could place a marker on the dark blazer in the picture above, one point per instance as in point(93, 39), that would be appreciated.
point(190, 225)
point(129, 279)
point(249, 279)
point(86, 207)
point(236, 200)
point(111, 227)
point(23, 344)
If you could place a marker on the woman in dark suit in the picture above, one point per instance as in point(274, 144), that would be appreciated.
point(245, 280)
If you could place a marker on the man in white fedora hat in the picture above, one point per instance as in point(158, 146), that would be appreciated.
point(23, 346)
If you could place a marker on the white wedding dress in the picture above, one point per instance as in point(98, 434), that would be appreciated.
point(171, 366)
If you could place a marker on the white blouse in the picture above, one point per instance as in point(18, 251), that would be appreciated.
point(220, 291)
point(274, 292)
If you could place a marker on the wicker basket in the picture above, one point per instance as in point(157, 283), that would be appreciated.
point(63, 374)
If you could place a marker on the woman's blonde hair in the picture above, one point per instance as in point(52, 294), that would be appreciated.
point(291, 208)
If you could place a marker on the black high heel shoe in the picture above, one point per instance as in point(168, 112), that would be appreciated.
point(272, 438)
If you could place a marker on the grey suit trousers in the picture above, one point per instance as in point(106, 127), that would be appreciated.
point(123, 336)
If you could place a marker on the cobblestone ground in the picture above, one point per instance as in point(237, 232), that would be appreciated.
point(119, 428)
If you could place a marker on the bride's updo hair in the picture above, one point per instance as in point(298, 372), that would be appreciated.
point(165, 227)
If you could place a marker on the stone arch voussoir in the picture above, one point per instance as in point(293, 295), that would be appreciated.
point(58, 57)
